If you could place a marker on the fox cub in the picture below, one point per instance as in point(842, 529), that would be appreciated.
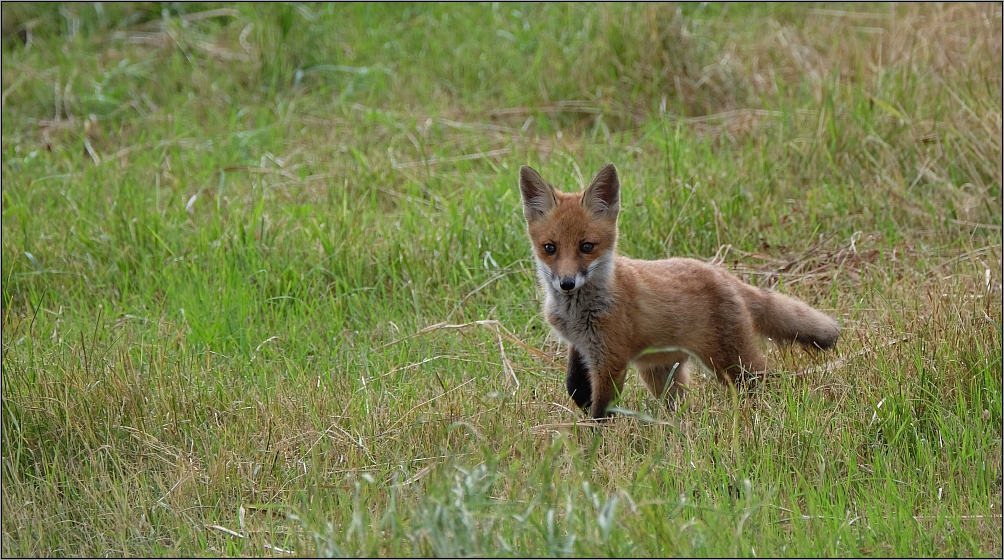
point(609, 308)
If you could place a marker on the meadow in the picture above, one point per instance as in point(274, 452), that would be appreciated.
point(266, 287)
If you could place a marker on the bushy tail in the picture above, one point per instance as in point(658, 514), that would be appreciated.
point(785, 318)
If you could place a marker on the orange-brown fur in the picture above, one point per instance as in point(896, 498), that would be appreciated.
point(619, 307)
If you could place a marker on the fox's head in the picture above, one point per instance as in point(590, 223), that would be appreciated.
point(574, 235)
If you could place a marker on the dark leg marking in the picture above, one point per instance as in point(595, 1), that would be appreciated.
point(577, 379)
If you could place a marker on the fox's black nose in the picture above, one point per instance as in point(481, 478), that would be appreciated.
point(567, 283)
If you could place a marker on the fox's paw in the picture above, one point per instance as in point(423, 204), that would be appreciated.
point(607, 416)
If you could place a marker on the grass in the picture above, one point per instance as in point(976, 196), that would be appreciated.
point(267, 291)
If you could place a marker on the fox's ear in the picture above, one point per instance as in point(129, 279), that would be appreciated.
point(603, 195)
point(538, 196)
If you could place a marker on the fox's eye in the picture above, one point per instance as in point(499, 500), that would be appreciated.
point(586, 247)
point(549, 248)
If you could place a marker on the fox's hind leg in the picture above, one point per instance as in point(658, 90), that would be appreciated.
point(665, 379)
point(577, 379)
point(740, 363)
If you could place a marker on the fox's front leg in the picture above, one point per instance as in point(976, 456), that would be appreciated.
point(577, 379)
point(606, 381)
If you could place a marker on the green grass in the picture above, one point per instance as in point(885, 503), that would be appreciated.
point(237, 246)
